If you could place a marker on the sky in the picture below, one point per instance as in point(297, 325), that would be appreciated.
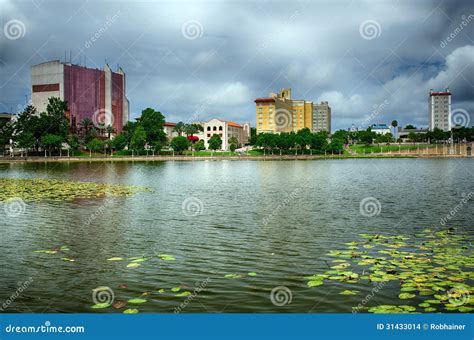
point(373, 61)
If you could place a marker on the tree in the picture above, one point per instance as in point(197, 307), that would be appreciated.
point(191, 129)
point(253, 136)
point(119, 142)
point(138, 140)
point(6, 133)
point(73, 142)
point(199, 145)
point(394, 125)
point(179, 128)
point(152, 122)
point(335, 146)
point(110, 131)
point(50, 142)
point(215, 142)
point(341, 135)
point(410, 127)
point(179, 144)
point(95, 145)
point(319, 141)
point(233, 143)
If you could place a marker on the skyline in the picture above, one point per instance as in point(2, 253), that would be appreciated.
point(189, 62)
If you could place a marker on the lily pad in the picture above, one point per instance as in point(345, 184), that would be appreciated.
point(315, 283)
point(115, 259)
point(252, 274)
point(166, 257)
point(349, 292)
point(405, 296)
point(133, 265)
point(130, 311)
point(175, 289)
point(100, 305)
point(137, 301)
point(183, 294)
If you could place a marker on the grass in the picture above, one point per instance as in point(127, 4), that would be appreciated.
point(368, 149)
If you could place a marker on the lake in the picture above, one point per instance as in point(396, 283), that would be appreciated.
point(235, 230)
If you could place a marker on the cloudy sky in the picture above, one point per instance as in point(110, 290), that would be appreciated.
point(374, 61)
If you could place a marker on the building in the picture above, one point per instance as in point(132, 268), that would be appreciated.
point(322, 117)
point(440, 110)
point(279, 113)
point(90, 93)
point(403, 133)
point(226, 130)
point(168, 127)
point(380, 129)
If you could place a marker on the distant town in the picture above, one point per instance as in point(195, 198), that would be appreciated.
point(80, 110)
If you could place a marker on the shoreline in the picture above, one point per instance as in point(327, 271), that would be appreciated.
point(66, 159)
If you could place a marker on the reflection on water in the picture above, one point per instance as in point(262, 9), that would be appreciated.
point(277, 219)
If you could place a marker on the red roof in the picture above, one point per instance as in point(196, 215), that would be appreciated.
point(440, 94)
point(264, 100)
point(170, 124)
point(233, 124)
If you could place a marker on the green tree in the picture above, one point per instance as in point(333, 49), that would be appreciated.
point(233, 143)
point(253, 136)
point(215, 142)
point(409, 127)
point(119, 142)
point(336, 146)
point(179, 128)
point(199, 145)
point(341, 135)
point(179, 144)
point(152, 122)
point(110, 131)
point(95, 145)
point(394, 125)
point(50, 142)
point(138, 140)
point(319, 141)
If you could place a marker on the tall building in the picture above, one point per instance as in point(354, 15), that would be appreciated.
point(440, 110)
point(322, 117)
point(90, 93)
point(280, 113)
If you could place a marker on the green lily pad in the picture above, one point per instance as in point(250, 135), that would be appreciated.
point(183, 294)
point(175, 289)
point(166, 257)
point(130, 311)
point(115, 259)
point(137, 301)
point(430, 309)
point(314, 283)
point(252, 274)
point(133, 265)
point(161, 291)
point(405, 296)
point(100, 305)
point(349, 292)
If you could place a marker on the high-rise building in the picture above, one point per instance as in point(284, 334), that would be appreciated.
point(322, 117)
point(279, 113)
point(90, 93)
point(440, 110)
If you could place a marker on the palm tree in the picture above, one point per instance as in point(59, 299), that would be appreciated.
point(86, 124)
point(394, 125)
point(179, 128)
point(110, 130)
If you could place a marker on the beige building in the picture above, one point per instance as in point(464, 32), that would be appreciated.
point(280, 113)
point(440, 110)
point(226, 130)
point(168, 127)
point(322, 117)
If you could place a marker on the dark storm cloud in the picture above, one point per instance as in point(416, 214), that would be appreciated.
point(196, 60)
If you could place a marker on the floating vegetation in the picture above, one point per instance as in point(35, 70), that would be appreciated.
point(434, 269)
point(60, 190)
point(175, 289)
point(130, 311)
point(137, 301)
point(166, 257)
point(133, 265)
point(115, 259)
point(100, 305)
point(119, 304)
point(183, 294)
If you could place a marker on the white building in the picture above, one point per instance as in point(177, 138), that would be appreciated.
point(380, 129)
point(440, 110)
point(226, 130)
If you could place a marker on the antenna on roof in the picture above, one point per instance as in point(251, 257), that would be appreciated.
point(70, 57)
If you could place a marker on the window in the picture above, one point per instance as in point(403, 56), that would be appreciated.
point(208, 128)
point(214, 128)
point(208, 135)
point(220, 128)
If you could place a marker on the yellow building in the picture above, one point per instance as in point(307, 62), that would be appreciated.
point(279, 113)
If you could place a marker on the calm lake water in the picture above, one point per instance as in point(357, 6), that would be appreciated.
point(277, 219)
